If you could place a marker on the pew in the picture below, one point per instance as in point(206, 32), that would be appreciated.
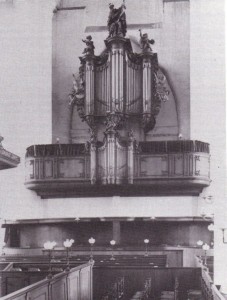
point(161, 279)
point(146, 293)
point(148, 288)
point(116, 290)
point(151, 260)
point(171, 295)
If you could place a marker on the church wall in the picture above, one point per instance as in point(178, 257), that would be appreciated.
point(26, 92)
point(208, 112)
point(67, 46)
point(25, 97)
point(120, 207)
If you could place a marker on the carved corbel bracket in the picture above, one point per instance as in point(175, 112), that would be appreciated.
point(148, 122)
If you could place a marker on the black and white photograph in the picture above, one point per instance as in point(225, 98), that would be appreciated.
point(113, 150)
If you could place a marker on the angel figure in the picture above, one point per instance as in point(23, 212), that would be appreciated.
point(145, 42)
point(89, 50)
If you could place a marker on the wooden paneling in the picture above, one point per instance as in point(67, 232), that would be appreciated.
point(77, 168)
point(40, 293)
point(13, 281)
point(153, 166)
point(58, 288)
point(132, 233)
point(164, 233)
point(172, 167)
point(72, 285)
point(85, 284)
point(72, 168)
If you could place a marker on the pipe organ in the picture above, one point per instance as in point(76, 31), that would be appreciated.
point(113, 91)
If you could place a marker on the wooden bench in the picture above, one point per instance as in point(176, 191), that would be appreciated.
point(171, 295)
point(116, 290)
point(144, 294)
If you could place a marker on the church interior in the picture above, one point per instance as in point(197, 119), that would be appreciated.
point(117, 188)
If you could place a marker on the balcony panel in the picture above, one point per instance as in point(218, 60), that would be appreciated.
point(8, 159)
point(159, 169)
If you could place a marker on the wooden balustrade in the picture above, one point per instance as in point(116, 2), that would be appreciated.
point(7, 159)
point(209, 290)
point(66, 169)
point(75, 284)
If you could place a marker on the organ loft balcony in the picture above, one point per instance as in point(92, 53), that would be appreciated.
point(150, 168)
point(118, 100)
point(7, 159)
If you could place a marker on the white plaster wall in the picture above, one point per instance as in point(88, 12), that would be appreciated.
point(208, 111)
point(25, 96)
point(121, 207)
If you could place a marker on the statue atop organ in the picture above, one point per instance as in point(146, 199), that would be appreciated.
point(117, 21)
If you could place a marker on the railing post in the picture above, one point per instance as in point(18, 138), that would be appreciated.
point(67, 286)
point(49, 290)
point(91, 281)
